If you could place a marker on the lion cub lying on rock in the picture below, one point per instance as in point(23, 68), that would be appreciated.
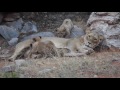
point(68, 30)
point(65, 29)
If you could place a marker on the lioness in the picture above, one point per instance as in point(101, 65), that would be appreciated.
point(64, 30)
point(77, 46)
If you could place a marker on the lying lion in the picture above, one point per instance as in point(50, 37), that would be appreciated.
point(76, 46)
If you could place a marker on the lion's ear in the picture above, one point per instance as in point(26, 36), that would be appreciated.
point(34, 39)
point(88, 36)
point(55, 30)
point(88, 30)
point(31, 45)
point(64, 29)
point(40, 37)
point(66, 22)
point(101, 37)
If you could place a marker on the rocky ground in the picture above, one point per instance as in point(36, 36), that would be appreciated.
point(104, 64)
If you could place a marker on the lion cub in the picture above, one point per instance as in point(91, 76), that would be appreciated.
point(20, 47)
point(77, 46)
point(64, 30)
point(40, 49)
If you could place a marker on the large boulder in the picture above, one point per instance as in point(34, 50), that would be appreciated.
point(18, 24)
point(8, 32)
point(29, 27)
point(23, 27)
point(109, 24)
point(77, 32)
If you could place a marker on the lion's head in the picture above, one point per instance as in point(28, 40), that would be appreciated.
point(92, 39)
point(41, 49)
point(65, 29)
point(61, 32)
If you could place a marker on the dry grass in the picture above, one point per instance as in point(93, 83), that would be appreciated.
point(100, 65)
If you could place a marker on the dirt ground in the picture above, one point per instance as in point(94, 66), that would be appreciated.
point(99, 65)
point(104, 64)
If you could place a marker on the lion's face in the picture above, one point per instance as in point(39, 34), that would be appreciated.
point(93, 39)
point(61, 32)
point(64, 30)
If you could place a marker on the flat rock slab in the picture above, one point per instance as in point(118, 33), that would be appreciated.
point(42, 34)
point(20, 62)
point(9, 68)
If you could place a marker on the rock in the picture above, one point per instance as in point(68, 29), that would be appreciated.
point(5, 51)
point(45, 71)
point(9, 68)
point(43, 34)
point(0, 48)
point(5, 55)
point(11, 17)
point(77, 32)
point(21, 76)
point(13, 41)
point(110, 29)
point(16, 24)
point(20, 62)
point(109, 17)
point(29, 27)
point(101, 13)
point(8, 32)
point(95, 76)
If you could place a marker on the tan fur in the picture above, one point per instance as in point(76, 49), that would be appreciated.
point(77, 46)
point(65, 29)
point(21, 46)
point(43, 49)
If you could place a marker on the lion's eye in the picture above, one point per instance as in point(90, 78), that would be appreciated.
point(100, 39)
point(64, 29)
point(95, 39)
point(89, 42)
point(89, 36)
point(77, 50)
point(37, 52)
point(56, 30)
